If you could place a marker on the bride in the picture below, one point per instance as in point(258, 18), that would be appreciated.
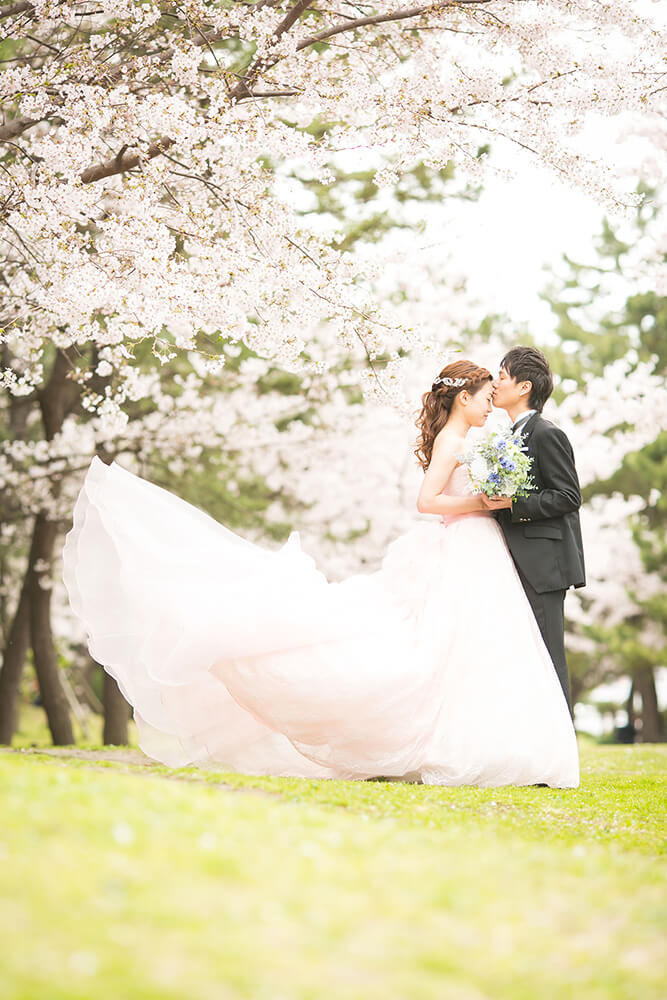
point(431, 669)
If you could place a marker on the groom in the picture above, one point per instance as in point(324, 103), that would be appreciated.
point(542, 530)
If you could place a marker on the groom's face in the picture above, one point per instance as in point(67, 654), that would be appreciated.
point(507, 392)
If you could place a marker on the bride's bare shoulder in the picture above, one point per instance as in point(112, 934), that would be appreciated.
point(448, 442)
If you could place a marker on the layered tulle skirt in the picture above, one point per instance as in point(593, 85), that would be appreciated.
point(431, 669)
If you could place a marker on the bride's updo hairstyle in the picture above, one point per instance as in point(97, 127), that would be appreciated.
point(437, 403)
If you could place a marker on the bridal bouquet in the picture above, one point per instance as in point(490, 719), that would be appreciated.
point(499, 465)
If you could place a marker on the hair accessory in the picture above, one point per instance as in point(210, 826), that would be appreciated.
point(455, 383)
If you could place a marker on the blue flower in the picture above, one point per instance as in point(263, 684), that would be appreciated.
point(494, 477)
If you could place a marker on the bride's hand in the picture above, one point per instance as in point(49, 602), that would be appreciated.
point(496, 503)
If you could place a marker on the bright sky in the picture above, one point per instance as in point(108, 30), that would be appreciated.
point(520, 228)
point(508, 243)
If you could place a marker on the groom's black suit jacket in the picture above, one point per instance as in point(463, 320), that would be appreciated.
point(542, 530)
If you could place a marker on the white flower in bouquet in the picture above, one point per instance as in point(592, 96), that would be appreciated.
point(479, 468)
point(499, 466)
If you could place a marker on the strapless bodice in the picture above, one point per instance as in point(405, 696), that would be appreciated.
point(459, 484)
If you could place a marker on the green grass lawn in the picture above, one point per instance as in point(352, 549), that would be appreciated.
point(120, 880)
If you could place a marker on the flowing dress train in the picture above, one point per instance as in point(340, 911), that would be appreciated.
point(431, 668)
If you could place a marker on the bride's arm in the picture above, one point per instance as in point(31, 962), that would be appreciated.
point(431, 499)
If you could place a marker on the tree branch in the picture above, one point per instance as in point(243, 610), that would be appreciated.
point(18, 8)
point(17, 126)
point(123, 161)
point(242, 88)
point(402, 14)
point(269, 93)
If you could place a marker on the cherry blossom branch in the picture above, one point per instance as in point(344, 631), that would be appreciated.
point(124, 161)
point(268, 93)
point(17, 126)
point(402, 14)
point(18, 8)
point(242, 88)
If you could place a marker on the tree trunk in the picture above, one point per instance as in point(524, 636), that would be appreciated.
point(630, 704)
point(652, 727)
point(18, 643)
point(46, 663)
point(116, 713)
point(631, 728)
point(56, 399)
point(88, 685)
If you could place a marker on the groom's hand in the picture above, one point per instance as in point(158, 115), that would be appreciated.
point(496, 503)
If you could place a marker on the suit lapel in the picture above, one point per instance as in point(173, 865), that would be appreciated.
point(529, 427)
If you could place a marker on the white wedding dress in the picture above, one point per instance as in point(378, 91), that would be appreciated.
point(432, 668)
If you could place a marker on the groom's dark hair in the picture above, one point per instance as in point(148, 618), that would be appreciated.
point(527, 364)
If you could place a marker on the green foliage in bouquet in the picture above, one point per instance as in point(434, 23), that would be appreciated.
point(499, 465)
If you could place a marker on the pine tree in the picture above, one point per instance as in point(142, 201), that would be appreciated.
point(593, 335)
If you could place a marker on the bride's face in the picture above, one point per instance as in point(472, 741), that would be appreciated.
point(479, 406)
